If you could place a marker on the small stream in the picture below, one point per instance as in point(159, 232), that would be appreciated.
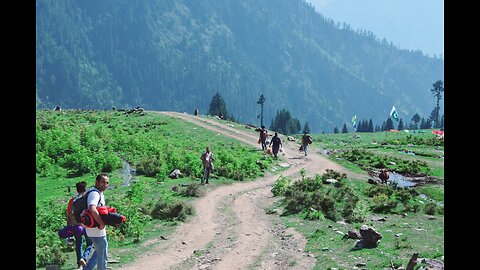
point(128, 173)
point(402, 181)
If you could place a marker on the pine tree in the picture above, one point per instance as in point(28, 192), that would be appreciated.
point(415, 120)
point(344, 129)
point(400, 125)
point(285, 123)
point(335, 130)
point(437, 92)
point(218, 107)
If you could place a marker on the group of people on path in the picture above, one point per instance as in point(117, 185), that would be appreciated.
point(96, 237)
point(276, 142)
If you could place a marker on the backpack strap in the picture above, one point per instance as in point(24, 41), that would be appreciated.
point(88, 192)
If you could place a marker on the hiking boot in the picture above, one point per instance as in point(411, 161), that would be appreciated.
point(82, 262)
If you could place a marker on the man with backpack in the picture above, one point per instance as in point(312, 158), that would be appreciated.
point(207, 161)
point(306, 140)
point(77, 228)
point(263, 138)
point(98, 235)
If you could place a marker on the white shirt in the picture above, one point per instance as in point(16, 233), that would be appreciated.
point(93, 198)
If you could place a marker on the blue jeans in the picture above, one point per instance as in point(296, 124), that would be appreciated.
point(99, 257)
point(79, 247)
point(206, 174)
point(305, 148)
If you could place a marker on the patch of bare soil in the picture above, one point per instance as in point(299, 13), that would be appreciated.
point(231, 229)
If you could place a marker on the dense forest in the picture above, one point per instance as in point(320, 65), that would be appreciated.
point(177, 54)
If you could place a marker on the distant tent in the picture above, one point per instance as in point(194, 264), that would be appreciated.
point(393, 130)
point(437, 132)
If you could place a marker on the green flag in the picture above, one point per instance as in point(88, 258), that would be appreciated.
point(394, 113)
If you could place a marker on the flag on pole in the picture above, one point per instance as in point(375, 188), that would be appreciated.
point(354, 121)
point(394, 114)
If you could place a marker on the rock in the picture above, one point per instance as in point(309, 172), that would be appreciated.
point(370, 237)
point(379, 218)
point(433, 264)
point(331, 181)
point(354, 235)
point(175, 174)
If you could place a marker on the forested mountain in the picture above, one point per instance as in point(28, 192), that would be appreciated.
point(177, 54)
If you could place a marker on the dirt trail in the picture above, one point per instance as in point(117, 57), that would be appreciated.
point(231, 229)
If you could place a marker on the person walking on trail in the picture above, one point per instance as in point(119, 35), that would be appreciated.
point(277, 143)
point(80, 232)
point(306, 140)
point(98, 234)
point(263, 138)
point(207, 160)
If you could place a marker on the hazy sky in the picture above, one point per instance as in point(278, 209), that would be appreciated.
point(408, 24)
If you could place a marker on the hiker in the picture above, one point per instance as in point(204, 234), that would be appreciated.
point(306, 140)
point(207, 160)
point(384, 175)
point(196, 111)
point(82, 256)
point(263, 138)
point(277, 143)
point(98, 234)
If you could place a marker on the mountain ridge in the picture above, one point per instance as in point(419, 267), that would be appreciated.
point(175, 55)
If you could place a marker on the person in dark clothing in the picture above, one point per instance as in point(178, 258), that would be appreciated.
point(263, 138)
point(82, 256)
point(277, 143)
point(306, 140)
point(207, 161)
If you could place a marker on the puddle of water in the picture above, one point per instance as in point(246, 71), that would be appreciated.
point(401, 180)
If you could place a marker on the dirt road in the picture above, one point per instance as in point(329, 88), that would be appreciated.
point(231, 229)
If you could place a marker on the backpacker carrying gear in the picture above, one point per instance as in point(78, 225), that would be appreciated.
point(80, 204)
point(109, 215)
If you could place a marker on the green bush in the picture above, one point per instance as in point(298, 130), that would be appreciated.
point(430, 208)
point(383, 204)
point(281, 185)
point(171, 210)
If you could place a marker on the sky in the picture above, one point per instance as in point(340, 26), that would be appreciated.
point(408, 24)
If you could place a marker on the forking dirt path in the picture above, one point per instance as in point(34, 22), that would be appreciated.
point(231, 229)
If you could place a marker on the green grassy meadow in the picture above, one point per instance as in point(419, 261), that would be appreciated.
point(413, 218)
point(75, 145)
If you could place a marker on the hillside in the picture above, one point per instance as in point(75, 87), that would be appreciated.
point(248, 223)
point(175, 55)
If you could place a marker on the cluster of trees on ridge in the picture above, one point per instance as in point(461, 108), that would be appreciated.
point(285, 123)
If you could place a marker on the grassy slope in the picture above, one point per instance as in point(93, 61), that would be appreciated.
point(416, 232)
point(154, 130)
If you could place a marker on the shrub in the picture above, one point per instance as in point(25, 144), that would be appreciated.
point(383, 204)
point(281, 186)
point(171, 210)
point(149, 166)
point(192, 190)
point(430, 208)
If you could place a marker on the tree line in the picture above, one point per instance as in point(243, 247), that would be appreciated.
point(285, 123)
